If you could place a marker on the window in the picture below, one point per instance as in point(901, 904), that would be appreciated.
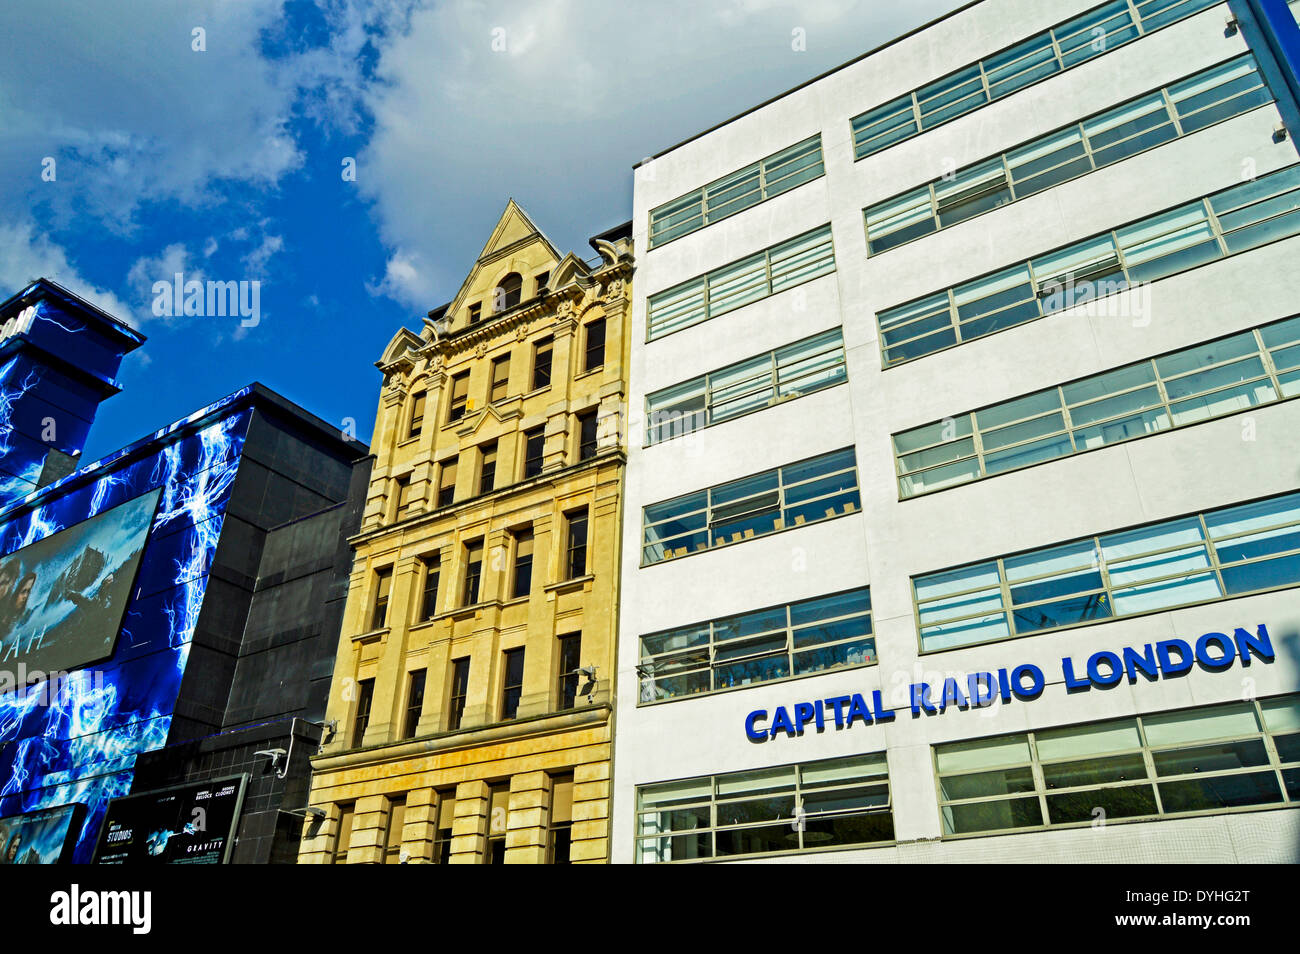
point(805, 492)
point(774, 270)
point(1182, 387)
point(446, 482)
point(443, 833)
point(459, 396)
point(401, 497)
point(1233, 220)
point(429, 594)
point(570, 649)
point(523, 576)
point(475, 313)
point(595, 347)
point(365, 699)
point(542, 279)
point(534, 443)
point(1201, 558)
point(1090, 34)
point(473, 571)
point(383, 589)
point(500, 377)
point(750, 385)
point(417, 414)
point(575, 559)
point(513, 683)
point(798, 639)
point(1241, 755)
point(560, 828)
point(808, 807)
point(414, 702)
point(778, 173)
point(508, 293)
point(396, 824)
point(498, 823)
point(343, 838)
point(487, 468)
point(459, 690)
point(588, 444)
point(542, 363)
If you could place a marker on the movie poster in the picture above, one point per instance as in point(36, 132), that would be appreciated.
point(62, 598)
point(43, 837)
point(187, 825)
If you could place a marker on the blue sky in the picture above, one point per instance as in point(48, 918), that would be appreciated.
point(226, 163)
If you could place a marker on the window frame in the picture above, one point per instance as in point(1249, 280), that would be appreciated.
point(500, 379)
point(948, 303)
point(574, 549)
point(718, 637)
point(472, 578)
point(976, 74)
point(593, 352)
point(1146, 750)
point(760, 171)
point(1280, 378)
point(543, 346)
point(458, 692)
point(509, 703)
point(458, 397)
point(1007, 607)
point(416, 679)
point(780, 504)
point(867, 782)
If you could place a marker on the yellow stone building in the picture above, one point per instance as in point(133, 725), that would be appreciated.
point(472, 693)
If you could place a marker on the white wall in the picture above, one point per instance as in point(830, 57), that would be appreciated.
point(1194, 468)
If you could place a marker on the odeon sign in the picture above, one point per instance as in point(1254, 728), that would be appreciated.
point(1214, 652)
point(17, 324)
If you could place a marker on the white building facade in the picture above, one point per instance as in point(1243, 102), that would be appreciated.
point(962, 513)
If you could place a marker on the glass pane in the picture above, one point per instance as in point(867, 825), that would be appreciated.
point(946, 430)
point(1203, 355)
point(992, 816)
point(1079, 273)
point(1023, 455)
point(1122, 429)
point(1168, 243)
point(737, 191)
point(1223, 791)
point(840, 771)
point(1021, 65)
point(1048, 161)
point(1031, 405)
point(677, 308)
point(1119, 768)
point(677, 639)
point(675, 793)
point(971, 191)
point(1124, 404)
point(1129, 129)
point(854, 603)
point(900, 220)
point(802, 259)
point(884, 126)
point(675, 848)
point(1095, 32)
point(979, 784)
point(748, 841)
point(856, 829)
point(737, 284)
point(951, 96)
point(1101, 385)
point(1282, 715)
point(792, 167)
point(1156, 13)
point(1131, 801)
point(752, 783)
point(1219, 722)
point(1210, 758)
point(982, 754)
point(945, 475)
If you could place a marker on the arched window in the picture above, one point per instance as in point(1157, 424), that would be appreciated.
point(508, 292)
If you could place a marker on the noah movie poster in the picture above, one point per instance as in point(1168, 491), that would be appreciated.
point(62, 598)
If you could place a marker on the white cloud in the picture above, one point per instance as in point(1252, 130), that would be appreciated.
point(27, 254)
point(583, 90)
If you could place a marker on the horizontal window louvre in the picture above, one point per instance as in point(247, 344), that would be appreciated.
point(1201, 760)
point(1244, 216)
point(1142, 123)
point(741, 283)
point(1205, 557)
point(802, 638)
point(816, 489)
point(800, 368)
point(807, 807)
point(778, 173)
point(1081, 38)
point(1207, 380)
